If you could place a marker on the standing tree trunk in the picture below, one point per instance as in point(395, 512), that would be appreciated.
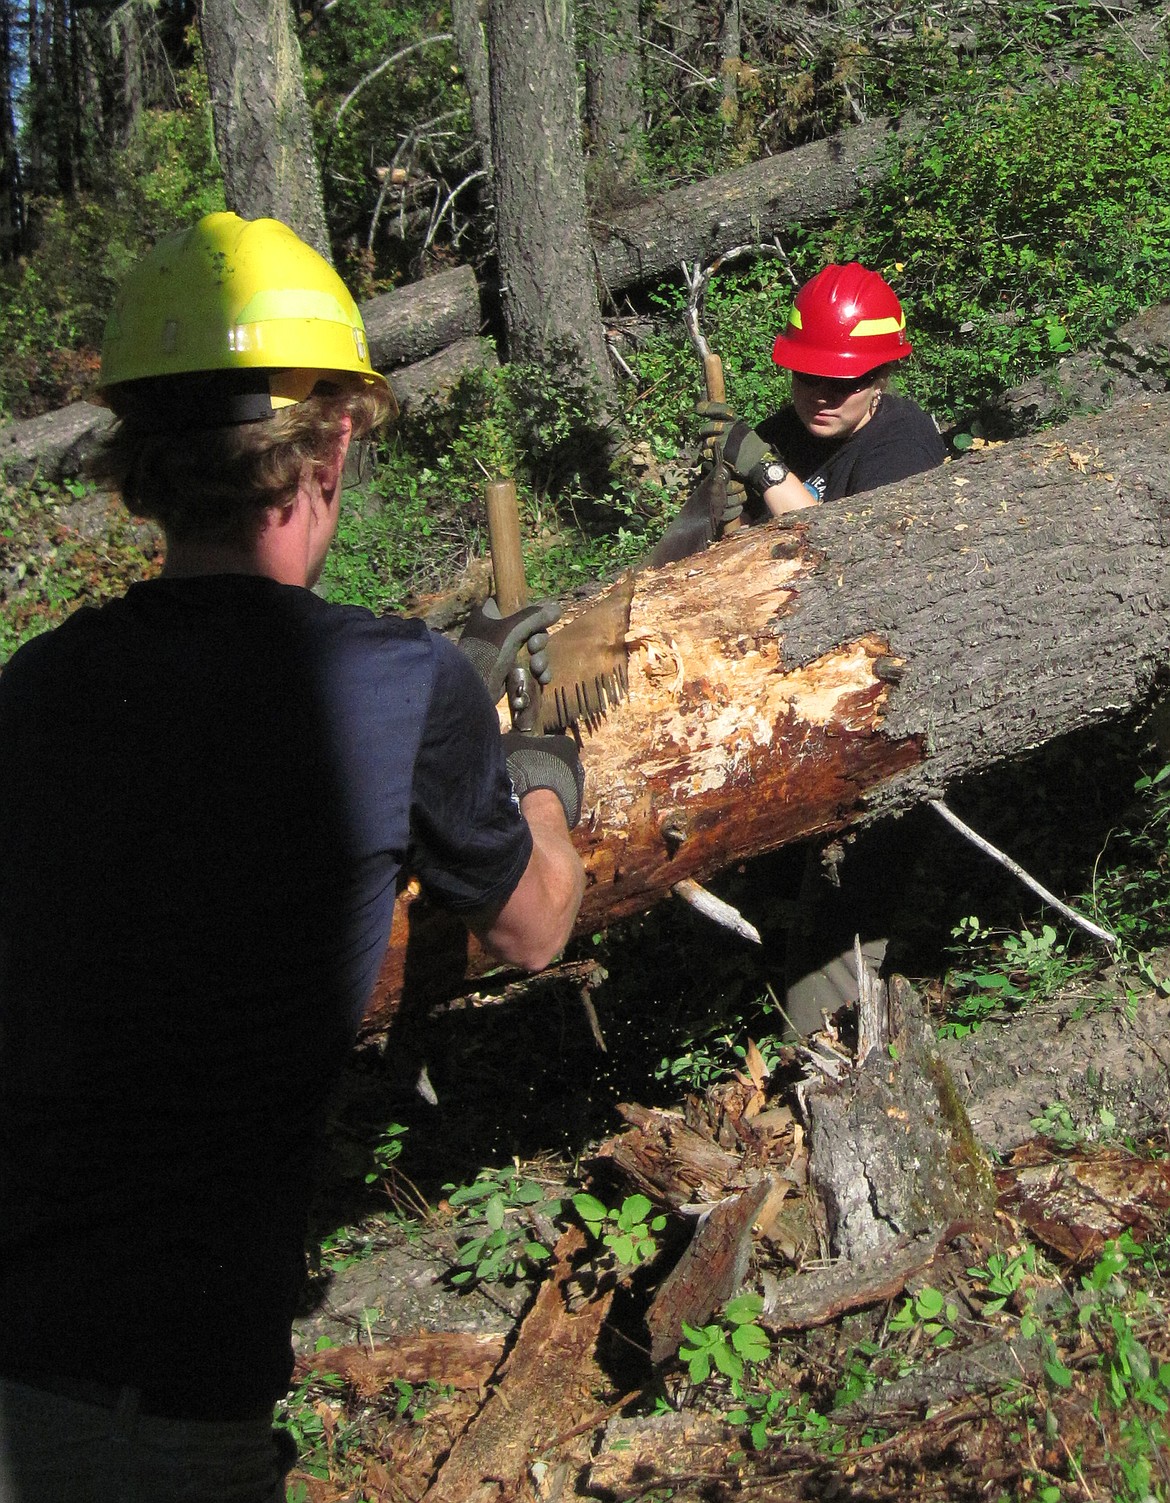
point(546, 260)
point(261, 118)
point(11, 192)
point(729, 62)
point(471, 45)
point(612, 45)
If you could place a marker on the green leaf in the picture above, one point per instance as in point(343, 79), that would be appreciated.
point(635, 1208)
point(727, 1361)
point(744, 1308)
point(751, 1342)
point(588, 1207)
point(928, 1303)
point(1057, 1373)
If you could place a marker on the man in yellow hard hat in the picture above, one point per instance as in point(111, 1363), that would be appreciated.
point(208, 791)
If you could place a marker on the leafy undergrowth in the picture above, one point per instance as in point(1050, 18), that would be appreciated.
point(1004, 1373)
point(61, 547)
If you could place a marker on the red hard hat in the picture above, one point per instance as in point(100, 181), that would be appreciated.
point(844, 322)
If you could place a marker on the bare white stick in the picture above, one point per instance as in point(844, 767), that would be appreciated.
point(1105, 935)
point(711, 907)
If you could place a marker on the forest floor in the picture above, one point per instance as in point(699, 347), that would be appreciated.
point(1029, 1357)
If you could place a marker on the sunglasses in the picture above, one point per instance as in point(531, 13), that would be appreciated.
point(360, 464)
point(837, 387)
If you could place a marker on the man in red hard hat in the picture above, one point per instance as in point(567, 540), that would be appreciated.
point(843, 431)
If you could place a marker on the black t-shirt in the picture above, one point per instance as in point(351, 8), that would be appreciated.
point(898, 441)
point(208, 790)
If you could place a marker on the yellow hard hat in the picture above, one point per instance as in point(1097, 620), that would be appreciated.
point(235, 295)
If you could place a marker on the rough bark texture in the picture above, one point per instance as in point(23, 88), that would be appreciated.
point(421, 318)
point(547, 1383)
point(467, 18)
point(890, 1150)
point(800, 678)
point(55, 443)
point(546, 261)
point(612, 46)
point(1104, 1059)
point(434, 377)
point(261, 118)
point(752, 203)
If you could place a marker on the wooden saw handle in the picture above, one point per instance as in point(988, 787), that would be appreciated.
point(717, 392)
point(511, 589)
point(503, 519)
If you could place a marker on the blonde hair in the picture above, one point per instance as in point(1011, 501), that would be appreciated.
point(216, 483)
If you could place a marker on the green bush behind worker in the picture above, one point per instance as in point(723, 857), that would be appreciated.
point(209, 790)
point(843, 432)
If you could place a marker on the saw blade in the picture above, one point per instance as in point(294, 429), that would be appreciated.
point(587, 657)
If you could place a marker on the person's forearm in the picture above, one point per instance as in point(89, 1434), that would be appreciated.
point(536, 921)
point(790, 495)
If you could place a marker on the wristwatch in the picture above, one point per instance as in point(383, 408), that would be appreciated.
point(774, 472)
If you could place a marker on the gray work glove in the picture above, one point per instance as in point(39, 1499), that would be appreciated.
point(717, 416)
point(548, 762)
point(746, 453)
point(492, 641)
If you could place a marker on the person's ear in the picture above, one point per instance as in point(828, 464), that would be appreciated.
point(331, 469)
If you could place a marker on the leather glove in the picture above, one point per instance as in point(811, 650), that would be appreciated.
point(716, 417)
point(546, 762)
point(734, 501)
point(746, 453)
point(492, 641)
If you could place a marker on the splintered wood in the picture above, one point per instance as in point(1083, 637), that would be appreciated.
point(547, 1388)
point(799, 678)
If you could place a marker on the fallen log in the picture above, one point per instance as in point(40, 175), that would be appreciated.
point(416, 320)
point(547, 1384)
point(800, 678)
point(750, 203)
point(434, 376)
point(456, 1359)
point(57, 443)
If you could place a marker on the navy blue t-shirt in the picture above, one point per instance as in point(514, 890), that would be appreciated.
point(899, 440)
point(208, 791)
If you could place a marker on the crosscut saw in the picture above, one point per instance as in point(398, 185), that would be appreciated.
point(587, 655)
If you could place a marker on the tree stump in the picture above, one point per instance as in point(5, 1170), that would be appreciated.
point(891, 1152)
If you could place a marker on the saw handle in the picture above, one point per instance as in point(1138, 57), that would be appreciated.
point(511, 590)
point(717, 392)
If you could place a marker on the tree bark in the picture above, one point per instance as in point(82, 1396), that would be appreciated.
point(262, 127)
point(471, 45)
point(612, 45)
point(801, 678)
point(422, 317)
point(547, 279)
point(752, 203)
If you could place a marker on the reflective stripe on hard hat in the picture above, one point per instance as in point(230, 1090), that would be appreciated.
point(845, 321)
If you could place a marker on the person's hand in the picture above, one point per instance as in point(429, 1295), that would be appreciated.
point(716, 417)
point(492, 641)
point(729, 507)
point(748, 456)
point(550, 762)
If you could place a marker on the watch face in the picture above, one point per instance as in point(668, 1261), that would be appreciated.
point(774, 473)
